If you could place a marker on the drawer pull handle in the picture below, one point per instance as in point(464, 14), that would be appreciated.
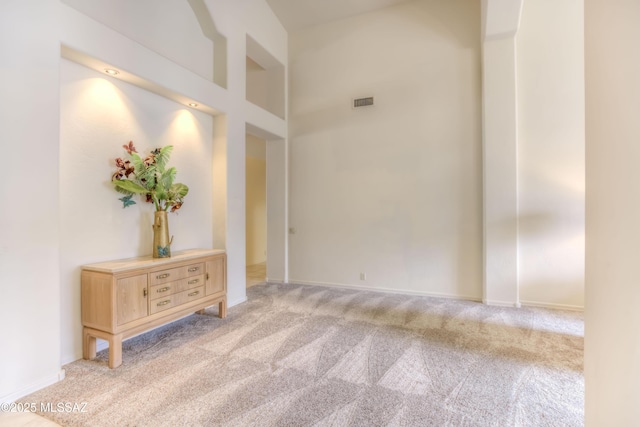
point(192, 269)
point(165, 289)
point(193, 294)
point(193, 282)
point(160, 304)
point(163, 276)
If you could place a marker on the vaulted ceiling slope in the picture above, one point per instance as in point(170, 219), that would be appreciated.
point(297, 14)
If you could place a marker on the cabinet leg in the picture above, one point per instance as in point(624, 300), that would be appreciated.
point(115, 351)
point(88, 345)
point(222, 309)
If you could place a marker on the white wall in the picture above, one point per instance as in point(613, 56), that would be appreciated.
point(551, 190)
point(394, 190)
point(612, 320)
point(29, 233)
point(32, 34)
point(98, 115)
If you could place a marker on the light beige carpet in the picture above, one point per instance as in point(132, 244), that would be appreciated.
point(312, 356)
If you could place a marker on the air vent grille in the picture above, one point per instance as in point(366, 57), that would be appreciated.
point(363, 102)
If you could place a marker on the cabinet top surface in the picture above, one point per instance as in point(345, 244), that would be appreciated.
point(148, 261)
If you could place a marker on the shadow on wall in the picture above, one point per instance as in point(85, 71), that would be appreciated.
point(550, 258)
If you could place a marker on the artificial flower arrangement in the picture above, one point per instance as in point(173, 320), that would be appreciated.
point(149, 177)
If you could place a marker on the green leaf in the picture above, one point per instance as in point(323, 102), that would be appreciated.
point(161, 194)
point(138, 164)
point(149, 177)
point(129, 186)
point(180, 190)
point(167, 177)
point(162, 158)
point(122, 190)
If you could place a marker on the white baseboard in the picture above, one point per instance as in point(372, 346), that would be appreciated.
point(33, 387)
point(236, 301)
point(386, 290)
point(496, 303)
point(553, 306)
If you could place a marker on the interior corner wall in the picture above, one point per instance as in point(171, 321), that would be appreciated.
point(551, 153)
point(612, 317)
point(29, 253)
point(394, 190)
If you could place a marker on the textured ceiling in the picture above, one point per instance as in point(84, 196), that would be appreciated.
point(298, 14)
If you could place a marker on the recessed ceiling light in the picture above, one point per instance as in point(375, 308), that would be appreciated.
point(193, 104)
point(111, 71)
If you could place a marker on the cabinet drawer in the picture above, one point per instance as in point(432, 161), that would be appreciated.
point(173, 274)
point(176, 299)
point(165, 289)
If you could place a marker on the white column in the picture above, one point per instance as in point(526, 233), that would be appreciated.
point(500, 23)
point(29, 223)
point(236, 170)
point(612, 318)
point(500, 173)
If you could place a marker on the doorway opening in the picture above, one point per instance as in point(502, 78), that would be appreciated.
point(256, 210)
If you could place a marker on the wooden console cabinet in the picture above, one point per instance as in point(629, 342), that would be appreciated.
point(126, 297)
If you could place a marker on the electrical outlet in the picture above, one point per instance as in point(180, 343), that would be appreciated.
point(363, 276)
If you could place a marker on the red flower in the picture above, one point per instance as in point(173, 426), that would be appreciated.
point(130, 148)
point(125, 168)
